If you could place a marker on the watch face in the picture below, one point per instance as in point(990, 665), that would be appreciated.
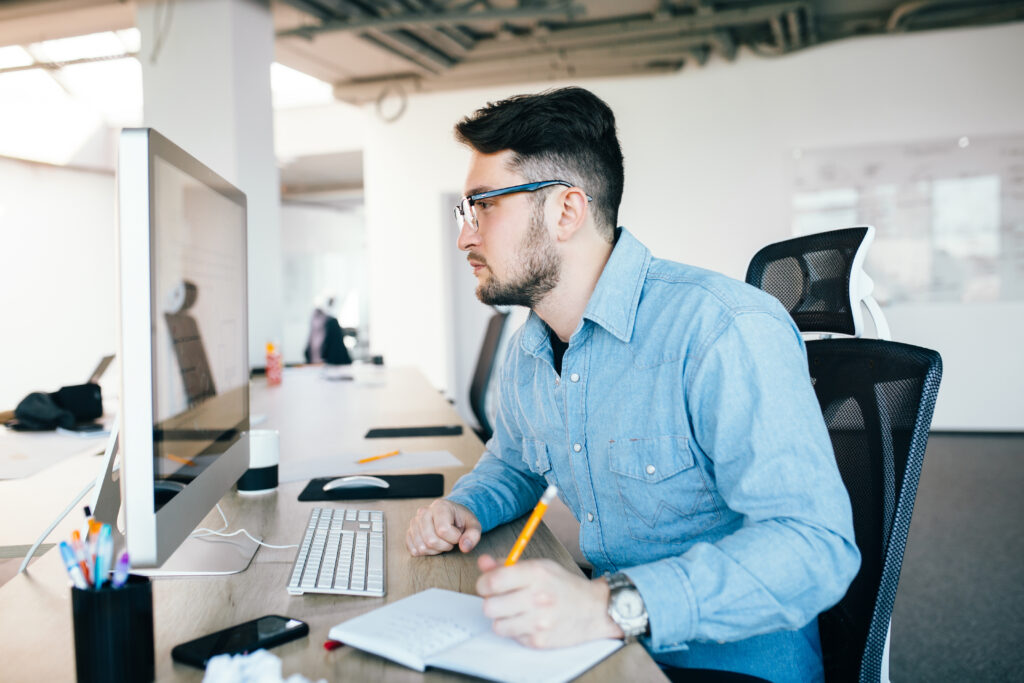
point(629, 604)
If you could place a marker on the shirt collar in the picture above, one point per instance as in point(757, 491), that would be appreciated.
point(615, 299)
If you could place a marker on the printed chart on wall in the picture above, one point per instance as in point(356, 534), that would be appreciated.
point(948, 214)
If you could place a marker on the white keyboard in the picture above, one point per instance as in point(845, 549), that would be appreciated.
point(341, 553)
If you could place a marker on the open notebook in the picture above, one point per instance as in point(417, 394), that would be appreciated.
point(448, 630)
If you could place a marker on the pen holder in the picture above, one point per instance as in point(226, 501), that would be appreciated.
point(114, 632)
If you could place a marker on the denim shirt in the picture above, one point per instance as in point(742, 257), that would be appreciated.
point(685, 436)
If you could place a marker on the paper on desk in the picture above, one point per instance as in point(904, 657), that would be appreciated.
point(345, 463)
point(22, 454)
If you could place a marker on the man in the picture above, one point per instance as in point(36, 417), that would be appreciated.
point(670, 405)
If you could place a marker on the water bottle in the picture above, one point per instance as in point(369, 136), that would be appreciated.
point(273, 365)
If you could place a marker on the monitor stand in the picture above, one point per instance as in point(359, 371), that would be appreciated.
point(206, 556)
point(196, 556)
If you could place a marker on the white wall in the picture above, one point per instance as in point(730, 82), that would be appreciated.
point(708, 168)
point(208, 91)
point(57, 278)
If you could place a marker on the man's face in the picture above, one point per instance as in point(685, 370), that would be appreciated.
point(512, 253)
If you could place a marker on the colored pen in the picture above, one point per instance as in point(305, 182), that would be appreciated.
point(120, 571)
point(74, 571)
point(104, 552)
point(377, 457)
point(531, 525)
point(81, 555)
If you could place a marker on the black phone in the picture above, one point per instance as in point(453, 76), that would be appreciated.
point(265, 632)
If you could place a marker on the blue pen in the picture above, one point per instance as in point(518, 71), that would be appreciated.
point(74, 571)
point(120, 571)
point(104, 553)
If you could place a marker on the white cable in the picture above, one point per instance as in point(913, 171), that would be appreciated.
point(111, 444)
point(53, 525)
point(220, 532)
point(211, 532)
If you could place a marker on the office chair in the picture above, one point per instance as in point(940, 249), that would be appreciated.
point(485, 364)
point(877, 397)
point(188, 343)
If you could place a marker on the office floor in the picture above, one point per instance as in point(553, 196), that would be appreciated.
point(959, 611)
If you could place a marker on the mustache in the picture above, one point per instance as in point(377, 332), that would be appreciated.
point(473, 256)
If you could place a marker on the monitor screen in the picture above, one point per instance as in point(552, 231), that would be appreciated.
point(200, 372)
point(183, 342)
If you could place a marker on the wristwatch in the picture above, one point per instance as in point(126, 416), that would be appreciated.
point(626, 606)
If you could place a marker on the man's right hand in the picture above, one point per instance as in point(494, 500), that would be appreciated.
point(441, 526)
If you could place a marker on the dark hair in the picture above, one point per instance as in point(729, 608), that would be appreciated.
point(565, 134)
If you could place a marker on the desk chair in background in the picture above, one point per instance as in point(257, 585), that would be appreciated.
point(188, 344)
point(485, 365)
point(877, 397)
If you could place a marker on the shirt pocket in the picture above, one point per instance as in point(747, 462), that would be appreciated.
point(535, 455)
point(663, 492)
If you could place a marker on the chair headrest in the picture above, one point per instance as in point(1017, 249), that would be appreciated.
point(820, 280)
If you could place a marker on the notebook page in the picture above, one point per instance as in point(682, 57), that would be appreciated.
point(502, 659)
point(414, 629)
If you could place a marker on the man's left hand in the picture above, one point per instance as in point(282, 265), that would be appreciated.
point(542, 605)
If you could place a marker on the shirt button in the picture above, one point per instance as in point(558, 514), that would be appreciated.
point(574, 377)
point(577, 447)
point(650, 469)
point(590, 516)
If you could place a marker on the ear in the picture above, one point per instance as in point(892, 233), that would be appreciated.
point(574, 211)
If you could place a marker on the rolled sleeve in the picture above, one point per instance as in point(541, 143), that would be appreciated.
point(500, 487)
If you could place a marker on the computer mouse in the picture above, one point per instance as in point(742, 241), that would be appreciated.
point(356, 481)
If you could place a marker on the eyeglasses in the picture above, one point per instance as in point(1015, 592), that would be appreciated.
point(465, 211)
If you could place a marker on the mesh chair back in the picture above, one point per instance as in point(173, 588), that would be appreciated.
point(482, 374)
point(877, 398)
point(811, 276)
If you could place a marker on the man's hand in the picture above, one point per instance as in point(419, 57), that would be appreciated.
point(542, 605)
point(441, 526)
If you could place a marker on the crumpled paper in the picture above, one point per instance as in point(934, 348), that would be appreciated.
point(256, 667)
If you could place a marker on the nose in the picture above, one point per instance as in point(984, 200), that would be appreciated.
point(467, 237)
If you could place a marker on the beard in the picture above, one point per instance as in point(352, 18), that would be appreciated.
point(533, 276)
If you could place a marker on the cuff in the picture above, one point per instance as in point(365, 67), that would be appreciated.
point(670, 602)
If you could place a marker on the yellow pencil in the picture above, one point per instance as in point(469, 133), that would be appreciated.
point(531, 525)
point(377, 457)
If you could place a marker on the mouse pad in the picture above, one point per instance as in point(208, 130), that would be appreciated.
point(402, 486)
point(396, 432)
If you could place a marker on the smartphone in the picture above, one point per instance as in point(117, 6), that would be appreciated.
point(265, 632)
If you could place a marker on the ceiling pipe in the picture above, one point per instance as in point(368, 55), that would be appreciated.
point(367, 91)
point(567, 10)
point(905, 10)
point(793, 23)
point(641, 27)
point(670, 40)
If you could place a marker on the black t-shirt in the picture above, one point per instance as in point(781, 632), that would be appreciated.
point(558, 348)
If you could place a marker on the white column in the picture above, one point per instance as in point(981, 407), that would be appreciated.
point(206, 87)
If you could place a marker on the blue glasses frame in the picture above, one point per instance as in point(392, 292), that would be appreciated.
point(466, 214)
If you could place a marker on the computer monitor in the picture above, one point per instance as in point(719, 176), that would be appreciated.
point(183, 346)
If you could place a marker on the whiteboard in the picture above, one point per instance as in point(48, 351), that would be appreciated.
point(949, 214)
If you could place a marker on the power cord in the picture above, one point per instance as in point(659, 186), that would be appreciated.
point(203, 532)
point(108, 453)
point(53, 525)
